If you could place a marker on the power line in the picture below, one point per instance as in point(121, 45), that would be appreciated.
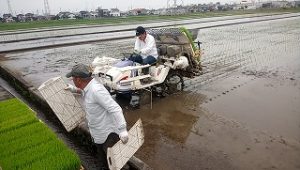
point(47, 8)
point(9, 7)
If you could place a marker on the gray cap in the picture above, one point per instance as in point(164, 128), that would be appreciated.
point(79, 70)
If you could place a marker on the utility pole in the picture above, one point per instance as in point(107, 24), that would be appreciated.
point(9, 7)
point(47, 8)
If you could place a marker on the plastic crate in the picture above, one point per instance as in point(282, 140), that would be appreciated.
point(62, 102)
point(119, 154)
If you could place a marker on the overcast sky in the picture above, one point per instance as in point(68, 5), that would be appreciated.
point(37, 6)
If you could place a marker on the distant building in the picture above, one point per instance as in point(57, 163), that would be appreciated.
point(84, 14)
point(29, 17)
point(103, 12)
point(65, 15)
point(297, 3)
point(106, 13)
point(266, 5)
point(21, 18)
point(151, 12)
point(138, 11)
point(192, 8)
point(203, 7)
point(159, 11)
point(7, 18)
point(93, 14)
point(71, 16)
point(40, 18)
point(179, 10)
point(51, 17)
point(281, 4)
point(62, 15)
point(247, 4)
point(115, 12)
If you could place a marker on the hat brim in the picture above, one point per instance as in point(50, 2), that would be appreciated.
point(69, 75)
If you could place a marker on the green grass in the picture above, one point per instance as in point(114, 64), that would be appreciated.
point(134, 19)
point(27, 143)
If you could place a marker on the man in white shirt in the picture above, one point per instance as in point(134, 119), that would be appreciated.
point(105, 117)
point(145, 47)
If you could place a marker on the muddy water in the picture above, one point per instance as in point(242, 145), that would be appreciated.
point(254, 110)
point(242, 113)
point(168, 132)
point(269, 74)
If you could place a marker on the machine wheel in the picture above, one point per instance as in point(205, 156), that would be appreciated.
point(173, 83)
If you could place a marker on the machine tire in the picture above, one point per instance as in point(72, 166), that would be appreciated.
point(174, 83)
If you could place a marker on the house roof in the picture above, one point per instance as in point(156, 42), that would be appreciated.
point(114, 10)
point(7, 15)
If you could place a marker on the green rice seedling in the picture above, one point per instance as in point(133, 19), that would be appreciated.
point(57, 162)
point(189, 36)
point(24, 143)
point(19, 133)
point(16, 123)
point(27, 143)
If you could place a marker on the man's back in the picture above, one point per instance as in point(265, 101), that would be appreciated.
point(102, 111)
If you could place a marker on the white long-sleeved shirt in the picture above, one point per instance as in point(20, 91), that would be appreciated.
point(147, 47)
point(103, 114)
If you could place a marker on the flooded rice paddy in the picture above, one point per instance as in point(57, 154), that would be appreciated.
point(242, 113)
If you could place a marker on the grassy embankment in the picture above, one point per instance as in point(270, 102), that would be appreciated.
point(27, 143)
point(135, 19)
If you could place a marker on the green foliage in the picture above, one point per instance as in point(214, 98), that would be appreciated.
point(189, 35)
point(26, 143)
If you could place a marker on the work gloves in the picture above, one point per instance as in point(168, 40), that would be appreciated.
point(137, 52)
point(124, 136)
point(72, 88)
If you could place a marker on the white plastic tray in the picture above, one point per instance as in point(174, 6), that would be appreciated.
point(62, 102)
point(120, 153)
